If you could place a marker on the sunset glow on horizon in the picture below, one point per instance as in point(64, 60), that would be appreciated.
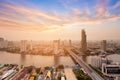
point(59, 19)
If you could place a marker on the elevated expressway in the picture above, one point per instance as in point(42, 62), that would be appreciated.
point(85, 66)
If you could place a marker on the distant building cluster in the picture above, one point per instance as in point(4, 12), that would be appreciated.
point(6, 44)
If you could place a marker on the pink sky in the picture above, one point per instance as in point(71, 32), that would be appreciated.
point(101, 21)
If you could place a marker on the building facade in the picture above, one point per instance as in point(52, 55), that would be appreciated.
point(112, 70)
point(83, 41)
point(104, 45)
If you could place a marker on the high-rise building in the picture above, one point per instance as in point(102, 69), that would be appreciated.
point(3, 43)
point(23, 45)
point(104, 45)
point(56, 44)
point(1, 39)
point(83, 41)
point(70, 43)
point(96, 61)
point(30, 45)
point(59, 43)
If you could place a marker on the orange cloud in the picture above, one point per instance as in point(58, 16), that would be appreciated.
point(24, 18)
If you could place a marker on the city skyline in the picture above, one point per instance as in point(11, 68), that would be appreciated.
point(60, 19)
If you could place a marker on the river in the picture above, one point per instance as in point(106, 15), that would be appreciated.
point(36, 60)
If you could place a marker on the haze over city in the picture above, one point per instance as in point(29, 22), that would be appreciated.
point(59, 19)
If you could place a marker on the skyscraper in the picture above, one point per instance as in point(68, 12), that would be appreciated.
point(83, 41)
point(23, 45)
point(103, 45)
point(1, 39)
point(70, 43)
point(56, 46)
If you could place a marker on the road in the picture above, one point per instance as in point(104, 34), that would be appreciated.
point(69, 74)
point(85, 66)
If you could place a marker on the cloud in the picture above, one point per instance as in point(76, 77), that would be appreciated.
point(28, 19)
point(117, 5)
point(67, 3)
point(101, 8)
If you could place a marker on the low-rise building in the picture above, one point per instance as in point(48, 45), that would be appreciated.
point(112, 70)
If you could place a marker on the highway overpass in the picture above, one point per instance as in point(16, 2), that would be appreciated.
point(85, 66)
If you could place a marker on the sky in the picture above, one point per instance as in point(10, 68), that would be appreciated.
point(59, 19)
